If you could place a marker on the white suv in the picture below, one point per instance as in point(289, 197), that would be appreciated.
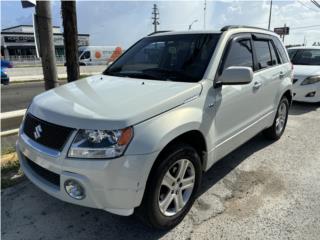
point(138, 137)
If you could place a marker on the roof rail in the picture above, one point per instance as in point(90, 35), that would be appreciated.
point(228, 27)
point(153, 33)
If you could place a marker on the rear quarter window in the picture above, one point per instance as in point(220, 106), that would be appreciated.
point(281, 50)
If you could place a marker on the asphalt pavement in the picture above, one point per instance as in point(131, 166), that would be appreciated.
point(19, 95)
point(263, 190)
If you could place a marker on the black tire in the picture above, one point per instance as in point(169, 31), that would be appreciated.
point(149, 211)
point(271, 132)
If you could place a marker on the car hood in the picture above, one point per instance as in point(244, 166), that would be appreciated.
point(306, 70)
point(107, 102)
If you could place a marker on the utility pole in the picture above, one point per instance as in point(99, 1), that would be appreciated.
point(48, 58)
point(283, 33)
point(204, 14)
point(270, 15)
point(70, 35)
point(155, 17)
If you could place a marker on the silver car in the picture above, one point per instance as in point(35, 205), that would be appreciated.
point(138, 137)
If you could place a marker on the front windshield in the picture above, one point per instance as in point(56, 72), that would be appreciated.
point(305, 56)
point(182, 57)
point(80, 52)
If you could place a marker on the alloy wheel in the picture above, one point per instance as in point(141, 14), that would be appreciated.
point(176, 187)
point(281, 118)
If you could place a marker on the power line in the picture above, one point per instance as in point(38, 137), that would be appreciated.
point(315, 3)
point(310, 26)
point(302, 3)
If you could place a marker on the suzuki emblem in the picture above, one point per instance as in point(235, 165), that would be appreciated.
point(37, 132)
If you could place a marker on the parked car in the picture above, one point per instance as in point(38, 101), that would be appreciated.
point(4, 75)
point(138, 138)
point(306, 81)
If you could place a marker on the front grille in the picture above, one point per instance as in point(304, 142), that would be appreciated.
point(44, 173)
point(47, 134)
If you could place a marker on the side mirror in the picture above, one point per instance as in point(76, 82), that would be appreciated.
point(236, 76)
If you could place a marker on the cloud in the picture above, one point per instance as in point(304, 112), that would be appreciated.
point(122, 23)
point(256, 13)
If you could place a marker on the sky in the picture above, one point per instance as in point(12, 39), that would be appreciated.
point(124, 22)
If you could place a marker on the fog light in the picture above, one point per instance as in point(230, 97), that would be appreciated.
point(74, 189)
point(311, 94)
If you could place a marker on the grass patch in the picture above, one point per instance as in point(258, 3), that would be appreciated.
point(7, 150)
point(10, 170)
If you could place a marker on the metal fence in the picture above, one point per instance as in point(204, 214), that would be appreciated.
point(32, 60)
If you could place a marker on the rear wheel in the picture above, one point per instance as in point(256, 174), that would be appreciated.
point(276, 130)
point(172, 187)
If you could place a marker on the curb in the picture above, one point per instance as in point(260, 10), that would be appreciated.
point(10, 122)
point(9, 132)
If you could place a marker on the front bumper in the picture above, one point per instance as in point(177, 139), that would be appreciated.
point(305, 93)
point(302, 93)
point(116, 186)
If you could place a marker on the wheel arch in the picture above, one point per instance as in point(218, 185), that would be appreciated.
point(288, 95)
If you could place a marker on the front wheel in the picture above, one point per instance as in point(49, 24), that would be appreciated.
point(279, 124)
point(172, 187)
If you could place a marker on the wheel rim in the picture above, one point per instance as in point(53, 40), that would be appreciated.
point(281, 118)
point(176, 187)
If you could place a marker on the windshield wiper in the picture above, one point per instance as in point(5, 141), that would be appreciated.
point(167, 74)
point(133, 75)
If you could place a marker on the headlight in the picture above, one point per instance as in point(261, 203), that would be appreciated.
point(100, 143)
point(311, 80)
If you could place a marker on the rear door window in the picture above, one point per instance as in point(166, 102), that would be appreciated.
point(274, 56)
point(263, 53)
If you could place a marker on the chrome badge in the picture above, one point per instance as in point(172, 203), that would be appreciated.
point(37, 131)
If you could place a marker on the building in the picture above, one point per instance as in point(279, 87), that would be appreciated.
point(17, 43)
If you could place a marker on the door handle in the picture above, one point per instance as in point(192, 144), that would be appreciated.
point(282, 74)
point(257, 85)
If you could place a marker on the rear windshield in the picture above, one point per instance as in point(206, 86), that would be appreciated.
point(305, 56)
point(182, 58)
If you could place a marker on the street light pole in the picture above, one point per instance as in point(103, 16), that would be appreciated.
point(270, 15)
point(204, 14)
point(194, 21)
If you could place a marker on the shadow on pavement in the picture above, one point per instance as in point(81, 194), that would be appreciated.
point(25, 208)
point(299, 108)
point(220, 169)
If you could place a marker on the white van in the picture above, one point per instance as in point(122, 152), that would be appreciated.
point(96, 55)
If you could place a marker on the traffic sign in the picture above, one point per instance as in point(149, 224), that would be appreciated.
point(282, 30)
